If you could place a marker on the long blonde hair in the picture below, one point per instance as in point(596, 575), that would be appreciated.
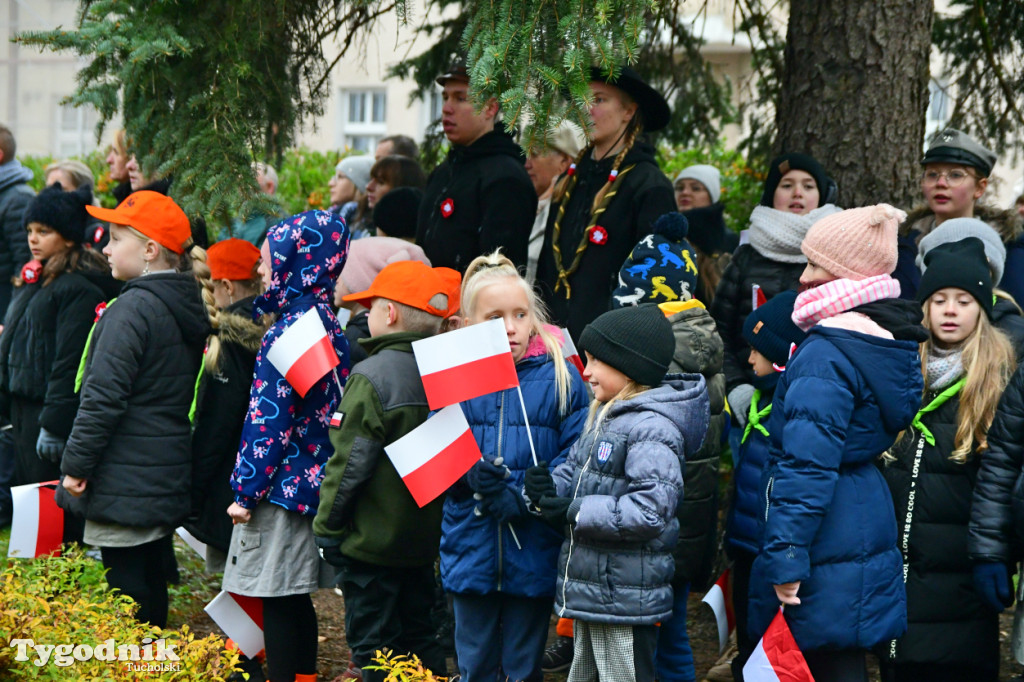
point(988, 362)
point(598, 410)
point(491, 268)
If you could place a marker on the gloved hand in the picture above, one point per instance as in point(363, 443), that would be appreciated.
point(504, 505)
point(49, 446)
point(330, 550)
point(992, 583)
point(488, 478)
point(555, 511)
point(739, 403)
point(538, 482)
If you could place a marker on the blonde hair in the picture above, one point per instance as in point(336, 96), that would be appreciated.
point(598, 410)
point(79, 173)
point(494, 267)
point(415, 319)
point(988, 362)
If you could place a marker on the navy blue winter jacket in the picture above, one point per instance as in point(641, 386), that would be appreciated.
point(477, 555)
point(742, 529)
point(828, 515)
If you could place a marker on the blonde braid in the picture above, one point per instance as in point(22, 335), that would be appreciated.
point(630, 140)
point(563, 183)
point(201, 271)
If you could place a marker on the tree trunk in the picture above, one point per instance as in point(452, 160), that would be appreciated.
point(855, 94)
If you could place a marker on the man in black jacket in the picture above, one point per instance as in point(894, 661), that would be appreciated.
point(15, 195)
point(480, 197)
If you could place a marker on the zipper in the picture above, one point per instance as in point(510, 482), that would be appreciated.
point(501, 423)
point(572, 534)
point(768, 496)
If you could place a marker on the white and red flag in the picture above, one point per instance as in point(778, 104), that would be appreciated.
point(435, 454)
point(757, 297)
point(777, 658)
point(304, 352)
point(37, 527)
point(569, 350)
point(466, 363)
point(241, 619)
point(717, 599)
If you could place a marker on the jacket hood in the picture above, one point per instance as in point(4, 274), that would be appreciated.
point(180, 292)
point(902, 318)
point(13, 173)
point(496, 142)
point(235, 326)
point(307, 252)
point(682, 399)
point(1004, 221)
point(699, 348)
point(891, 369)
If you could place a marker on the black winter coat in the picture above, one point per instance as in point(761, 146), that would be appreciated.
point(44, 334)
point(15, 196)
point(997, 514)
point(132, 438)
point(221, 405)
point(492, 200)
point(644, 195)
point(947, 623)
point(733, 302)
point(1007, 318)
point(358, 327)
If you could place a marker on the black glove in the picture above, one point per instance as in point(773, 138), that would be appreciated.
point(539, 482)
point(330, 551)
point(504, 505)
point(993, 585)
point(488, 478)
point(555, 511)
point(49, 447)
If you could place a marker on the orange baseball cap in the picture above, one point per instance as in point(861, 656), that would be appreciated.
point(232, 259)
point(453, 282)
point(154, 215)
point(407, 281)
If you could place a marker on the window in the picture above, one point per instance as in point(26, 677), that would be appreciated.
point(363, 118)
point(430, 111)
point(938, 106)
point(76, 128)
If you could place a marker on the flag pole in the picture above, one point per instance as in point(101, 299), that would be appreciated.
point(526, 420)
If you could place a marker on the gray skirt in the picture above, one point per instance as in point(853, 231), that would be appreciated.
point(274, 555)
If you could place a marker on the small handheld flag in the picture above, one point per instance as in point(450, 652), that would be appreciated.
point(303, 353)
point(722, 606)
point(777, 658)
point(241, 619)
point(37, 526)
point(431, 457)
point(569, 350)
point(757, 297)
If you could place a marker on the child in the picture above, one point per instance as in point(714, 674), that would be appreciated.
point(497, 560)
point(617, 491)
point(368, 524)
point(222, 398)
point(366, 258)
point(931, 472)
point(770, 331)
point(129, 450)
point(284, 447)
point(829, 542)
point(45, 330)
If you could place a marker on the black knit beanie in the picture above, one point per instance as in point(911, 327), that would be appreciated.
point(783, 164)
point(770, 329)
point(961, 264)
point(60, 210)
point(396, 211)
point(636, 341)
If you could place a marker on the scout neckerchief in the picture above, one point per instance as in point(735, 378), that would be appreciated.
point(755, 417)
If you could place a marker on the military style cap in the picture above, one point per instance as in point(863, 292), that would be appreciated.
point(954, 146)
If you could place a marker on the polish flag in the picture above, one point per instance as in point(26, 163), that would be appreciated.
point(466, 363)
point(197, 545)
point(716, 599)
point(777, 658)
point(757, 297)
point(431, 457)
point(304, 353)
point(37, 528)
point(241, 619)
point(569, 350)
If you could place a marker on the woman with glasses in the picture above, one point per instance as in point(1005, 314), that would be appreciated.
point(954, 177)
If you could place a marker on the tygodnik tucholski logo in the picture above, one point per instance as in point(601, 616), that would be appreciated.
point(152, 655)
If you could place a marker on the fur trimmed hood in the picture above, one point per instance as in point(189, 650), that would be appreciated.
point(1004, 221)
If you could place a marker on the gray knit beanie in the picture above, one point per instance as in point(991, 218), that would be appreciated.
point(958, 229)
point(705, 175)
point(636, 341)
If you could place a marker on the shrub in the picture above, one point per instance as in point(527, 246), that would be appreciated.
point(65, 600)
point(401, 667)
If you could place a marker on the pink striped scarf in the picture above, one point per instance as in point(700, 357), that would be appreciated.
point(840, 295)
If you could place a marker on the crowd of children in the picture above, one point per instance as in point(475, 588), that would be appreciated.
point(859, 365)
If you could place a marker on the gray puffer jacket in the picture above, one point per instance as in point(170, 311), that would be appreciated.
point(625, 478)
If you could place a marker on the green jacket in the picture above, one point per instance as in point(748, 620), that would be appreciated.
point(363, 501)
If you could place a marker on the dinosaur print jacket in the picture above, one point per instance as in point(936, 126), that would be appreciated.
point(285, 440)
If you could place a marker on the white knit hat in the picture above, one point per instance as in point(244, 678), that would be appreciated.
point(356, 169)
point(705, 175)
point(957, 229)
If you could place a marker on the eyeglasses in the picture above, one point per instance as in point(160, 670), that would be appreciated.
point(954, 178)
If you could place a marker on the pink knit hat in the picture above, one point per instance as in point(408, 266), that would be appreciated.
point(856, 243)
point(369, 255)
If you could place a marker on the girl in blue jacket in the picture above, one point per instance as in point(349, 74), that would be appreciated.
point(497, 559)
point(617, 492)
point(284, 446)
point(829, 549)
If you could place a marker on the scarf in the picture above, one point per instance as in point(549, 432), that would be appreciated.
point(840, 295)
point(944, 366)
point(777, 235)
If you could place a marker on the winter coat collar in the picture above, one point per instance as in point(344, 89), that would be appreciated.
point(235, 326)
point(1005, 221)
point(395, 341)
point(496, 142)
point(13, 173)
point(681, 398)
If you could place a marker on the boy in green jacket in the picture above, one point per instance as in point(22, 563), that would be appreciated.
point(368, 524)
